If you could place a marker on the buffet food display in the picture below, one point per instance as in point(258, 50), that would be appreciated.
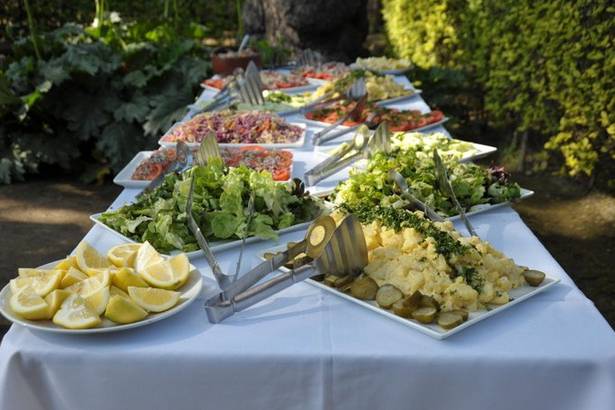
point(221, 197)
point(130, 283)
point(374, 115)
point(327, 71)
point(249, 127)
point(370, 188)
point(379, 87)
point(384, 64)
point(415, 268)
point(272, 80)
point(277, 162)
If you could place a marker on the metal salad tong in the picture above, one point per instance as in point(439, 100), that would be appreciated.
point(362, 146)
point(447, 189)
point(334, 250)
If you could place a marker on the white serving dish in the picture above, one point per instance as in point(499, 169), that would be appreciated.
point(518, 295)
point(341, 127)
point(290, 90)
point(219, 245)
point(189, 292)
point(477, 209)
point(297, 144)
point(124, 177)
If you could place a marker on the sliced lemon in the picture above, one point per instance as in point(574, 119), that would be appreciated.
point(75, 313)
point(98, 300)
point(123, 255)
point(124, 310)
point(54, 300)
point(152, 299)
point(43, 283)
point(104, 277)
point(181, 268)
point(94, 290)
point(72, 276)
point(115, 291)
point(89, 260)
point(29, 305)
point(34, 272)
point(125, 277)
point(146, 255)
point(169, 274)
point(64, 264)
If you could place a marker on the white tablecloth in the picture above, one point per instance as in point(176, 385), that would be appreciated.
point(307, 349)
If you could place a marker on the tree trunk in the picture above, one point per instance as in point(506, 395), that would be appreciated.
point(336, 28)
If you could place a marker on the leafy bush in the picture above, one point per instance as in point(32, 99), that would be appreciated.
point(105, 91)
point(545, 67)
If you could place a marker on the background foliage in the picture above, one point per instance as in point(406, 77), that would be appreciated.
point(100, 91)
point(544, 68)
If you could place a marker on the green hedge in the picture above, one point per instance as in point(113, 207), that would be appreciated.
point(545, 68)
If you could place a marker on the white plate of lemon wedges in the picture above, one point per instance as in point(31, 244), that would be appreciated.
point(131, 286)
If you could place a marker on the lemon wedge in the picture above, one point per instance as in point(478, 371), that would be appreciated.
point(115, 291)
point(54, 300)
point(168, 274)
point(64, 264)
point(146, 255)
point(29, 305)
point(75, 313)
point(152, 299)
point(89, 260)
point(125, 277)
point(123, 255)
point(72, 276)
point(42, 283)
point(124, 310)
point(94, 291)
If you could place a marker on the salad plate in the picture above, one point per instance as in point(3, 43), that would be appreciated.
point(322, 124)
point(216, 245)
point(297, 144)
point(188, 293)
point(124, 177)
point(399, 71)
point(517, 295)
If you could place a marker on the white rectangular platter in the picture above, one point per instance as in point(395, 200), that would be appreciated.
point(517, 295)
point(289, 90)
point(297, 144)
point(124, 177)
point(219, 245)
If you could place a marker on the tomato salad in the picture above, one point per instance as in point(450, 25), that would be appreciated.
point(272, 80)
point(277, 162)
point(374, 115)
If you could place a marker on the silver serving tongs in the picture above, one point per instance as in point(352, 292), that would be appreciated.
point(208, 150)
point(357, 92)
point(361, 146)
point(447, 189)
point(339, 251)
point(249, 86)
point(310, 57)
point(400, 181)
point(183, 161)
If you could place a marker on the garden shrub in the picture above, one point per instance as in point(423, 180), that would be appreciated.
point(100, 94)
point(545, 68)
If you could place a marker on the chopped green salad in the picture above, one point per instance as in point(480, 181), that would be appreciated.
point(424, 144)
point(220, 207)
point(472, 184)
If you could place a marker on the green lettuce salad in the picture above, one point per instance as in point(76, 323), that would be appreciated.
point(220, 207)
point(472, 184)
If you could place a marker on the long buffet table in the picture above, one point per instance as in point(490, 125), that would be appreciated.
point(307, 349)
